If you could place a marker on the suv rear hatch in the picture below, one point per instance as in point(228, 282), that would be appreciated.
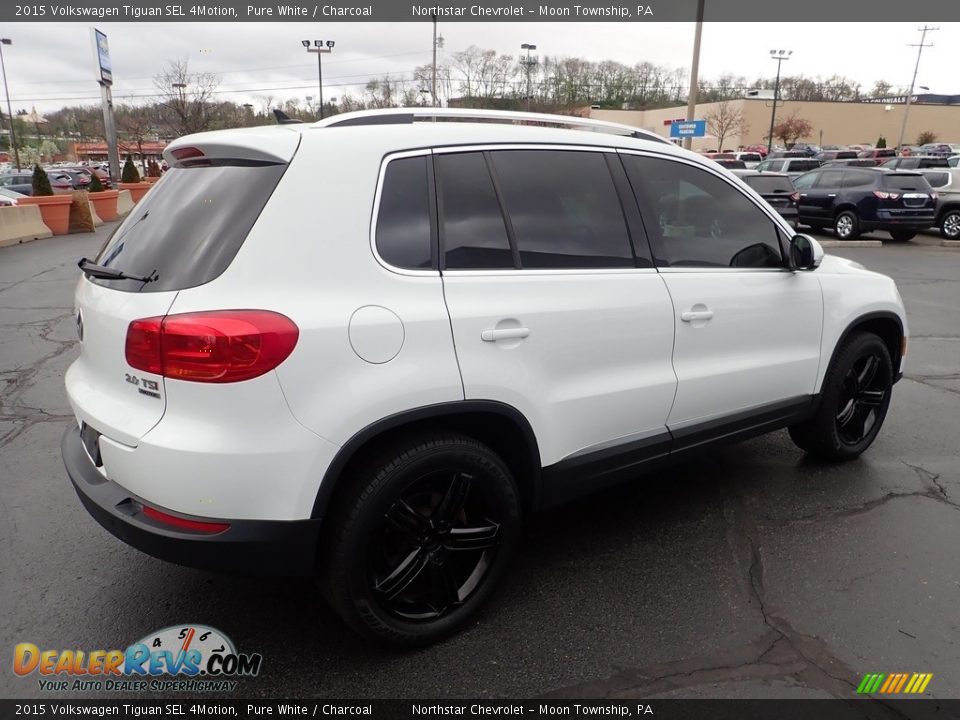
point(905, 196)
point(184, 232)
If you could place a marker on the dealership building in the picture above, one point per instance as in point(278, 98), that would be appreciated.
point(834, 123)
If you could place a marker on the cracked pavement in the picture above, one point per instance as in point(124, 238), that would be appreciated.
point(750, 572)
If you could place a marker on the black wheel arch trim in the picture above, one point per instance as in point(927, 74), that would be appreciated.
point(854, 325)
point(438, 411)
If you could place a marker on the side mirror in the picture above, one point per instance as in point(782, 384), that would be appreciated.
point(805, 253)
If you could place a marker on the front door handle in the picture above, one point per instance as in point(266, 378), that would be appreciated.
point(831, 194)
point(695, 315)
point(514, 333)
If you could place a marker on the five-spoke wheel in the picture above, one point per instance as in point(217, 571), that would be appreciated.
point(853, 402)
point(419, 540)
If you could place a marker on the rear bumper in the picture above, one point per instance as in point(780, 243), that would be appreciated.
point(257, 547)
point(900, 223)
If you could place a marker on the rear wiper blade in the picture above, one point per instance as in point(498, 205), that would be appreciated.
point(91, 269)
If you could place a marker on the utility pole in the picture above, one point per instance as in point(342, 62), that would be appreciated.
point(906, 111)
point(694, 73)
point(433, 82)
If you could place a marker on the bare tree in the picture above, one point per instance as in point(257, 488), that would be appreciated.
point(185, 97)
point(137, 122)
point(726, 120)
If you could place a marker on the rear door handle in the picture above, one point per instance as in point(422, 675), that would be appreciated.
point(694, 315)
point(517, 333)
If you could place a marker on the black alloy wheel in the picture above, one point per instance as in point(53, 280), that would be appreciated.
point(435, 546)
point(862, 396)
point(853, 401)
point(418, 539)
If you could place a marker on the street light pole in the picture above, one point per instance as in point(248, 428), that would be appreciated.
point(695, 73)
point(779, 56)
point(906, 110)
point(13, 136)
point(528, 63)
point(319, 47)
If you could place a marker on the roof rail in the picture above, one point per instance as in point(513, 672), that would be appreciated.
point(392, 116)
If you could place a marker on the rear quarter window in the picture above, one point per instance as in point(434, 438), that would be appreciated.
point(189, 227)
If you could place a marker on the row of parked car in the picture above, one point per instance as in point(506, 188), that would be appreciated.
point(15, 184)
point(853, 200)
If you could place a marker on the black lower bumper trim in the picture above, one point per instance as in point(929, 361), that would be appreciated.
point(249, 547)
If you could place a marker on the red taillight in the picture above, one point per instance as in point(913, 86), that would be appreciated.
point(195, 525)
point(219, 347)
point(886, 195)
point(185, 153)
point(143, 345)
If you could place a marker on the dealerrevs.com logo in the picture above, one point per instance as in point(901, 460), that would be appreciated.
point(190, 658)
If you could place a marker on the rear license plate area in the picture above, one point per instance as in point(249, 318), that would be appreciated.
point(91, 443)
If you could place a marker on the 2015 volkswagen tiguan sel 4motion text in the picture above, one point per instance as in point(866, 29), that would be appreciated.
point(372, 374)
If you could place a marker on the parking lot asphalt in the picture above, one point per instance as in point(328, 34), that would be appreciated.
point(750, 572)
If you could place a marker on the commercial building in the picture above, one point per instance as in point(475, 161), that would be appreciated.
point(834, 123)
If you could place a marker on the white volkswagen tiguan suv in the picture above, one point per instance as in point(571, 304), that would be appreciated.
point(364, 349)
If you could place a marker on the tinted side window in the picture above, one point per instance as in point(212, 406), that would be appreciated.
point(703, 221)
point(806, 181)
point(472, 228)
point(403, 223)
point(858, 178)
point(564, 209)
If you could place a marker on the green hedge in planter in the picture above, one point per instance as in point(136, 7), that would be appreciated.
point(40, 182)
point(129, 173)
point(95, 185)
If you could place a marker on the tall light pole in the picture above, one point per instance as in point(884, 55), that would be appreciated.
point(906, 110)
point(319, 47)
point(13, 136)
point(695, 73)
point(779, 56)
point(528, 64)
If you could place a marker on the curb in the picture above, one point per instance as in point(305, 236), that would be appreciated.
point(950, 243)
point(853, 243)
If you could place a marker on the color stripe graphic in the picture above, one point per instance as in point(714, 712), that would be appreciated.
point(894, 683)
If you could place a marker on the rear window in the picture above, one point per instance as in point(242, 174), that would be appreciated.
point(751, 157)
point(906, 181)
point(769, 185)
point(189, 227)
point(803, 165)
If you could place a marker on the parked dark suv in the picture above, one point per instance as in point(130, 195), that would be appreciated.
point(860, 199)
point(776, 189)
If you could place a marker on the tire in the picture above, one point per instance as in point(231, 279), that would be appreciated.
point(950, 224)
point(853, 403)
point(398, 565)
point(847, 225)
point(902, 235)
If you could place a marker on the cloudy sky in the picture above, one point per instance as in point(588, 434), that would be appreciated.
point(50, 64)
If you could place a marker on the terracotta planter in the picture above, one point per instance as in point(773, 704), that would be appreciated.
point(55, 210)
point(105, 203)
point(137, 190)
point(150, 180)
